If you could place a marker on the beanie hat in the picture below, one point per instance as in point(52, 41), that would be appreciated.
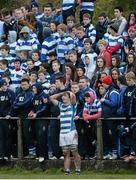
point(25, 29)
point(107, 80)
point(114, 27)
point(46, 32)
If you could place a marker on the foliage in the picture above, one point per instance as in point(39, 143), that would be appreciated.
point(100, 5)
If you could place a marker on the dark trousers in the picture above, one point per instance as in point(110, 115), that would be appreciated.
point(109, 136)
point(41, 130)
point(54, 136)
point(80, 126)
point(35, 134)
point(90, 138)
point(28, 134)
point(5, 138)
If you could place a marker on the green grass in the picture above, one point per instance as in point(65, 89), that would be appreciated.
point(19, 173)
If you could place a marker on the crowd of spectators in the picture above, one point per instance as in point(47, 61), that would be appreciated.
point(43, 53)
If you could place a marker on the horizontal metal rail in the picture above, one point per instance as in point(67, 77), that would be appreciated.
point(99, 132)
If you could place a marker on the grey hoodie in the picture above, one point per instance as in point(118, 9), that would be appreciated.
point(12, 37)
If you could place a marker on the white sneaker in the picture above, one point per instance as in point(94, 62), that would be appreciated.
point(108, 156)
point(41, 159)
point(113, 156)
point(62, 157)
point(5, 158)
point(53, 158)
point(50, 155)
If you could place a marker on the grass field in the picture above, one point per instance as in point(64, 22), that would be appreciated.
point(18, 173)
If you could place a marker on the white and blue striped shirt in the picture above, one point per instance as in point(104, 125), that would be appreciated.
point(87, 5)
point(91, 32)
point(80, 44)
point(115, 40)
point(16, 79)
point(94, 108)
point(67, 4)
point(28, 45)
point(12, 51)
point(67, 113)
point(64, 45)
point(10, 60)
point(48, 45)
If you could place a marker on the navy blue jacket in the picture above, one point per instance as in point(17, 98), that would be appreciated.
point(120, 110)
point(38, 106)
point(22, 103)
point(110, 105)
point(129, 101)
point(6, 102)
point(80, 104)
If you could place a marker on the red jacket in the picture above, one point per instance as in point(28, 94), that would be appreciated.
point(107, 56)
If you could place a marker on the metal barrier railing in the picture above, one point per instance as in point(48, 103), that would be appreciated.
point(99, 133)
point(19, 135)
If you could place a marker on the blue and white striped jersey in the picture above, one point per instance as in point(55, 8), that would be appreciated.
point(87, 5)
point(24, 65)
point(114, 40)
point(12, 51)
point(91, 32)
point(48, 45)
point(28, 45)
point(80, 44)
point(67, 113)
point(10, 60)
point(67, 4)
point(64, 45)
point(16, 79)
point(45, 83)
point(94, 108)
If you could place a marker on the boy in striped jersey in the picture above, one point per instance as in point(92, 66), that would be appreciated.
point(24, 56)
point(92, 111)
point(4, 54)
point(16, 75)
point(68, 9)
point(68, 133)
point(89, 27)
point(12, 37)
point(25, 41)
point(48, 45)
point(4, 67)
point(115, 41)
point(64, 43)
point(86, 6)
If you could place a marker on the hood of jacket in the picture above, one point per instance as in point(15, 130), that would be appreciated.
point(12, 36)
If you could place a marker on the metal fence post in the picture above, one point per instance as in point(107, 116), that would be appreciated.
point(19, 139)
point(99, 139)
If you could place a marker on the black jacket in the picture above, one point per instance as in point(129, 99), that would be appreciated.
point(6, 102)
point(22, 103)
point(129, 101)
point(101, 30)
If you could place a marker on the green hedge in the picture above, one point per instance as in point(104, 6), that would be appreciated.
point(100, 6)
